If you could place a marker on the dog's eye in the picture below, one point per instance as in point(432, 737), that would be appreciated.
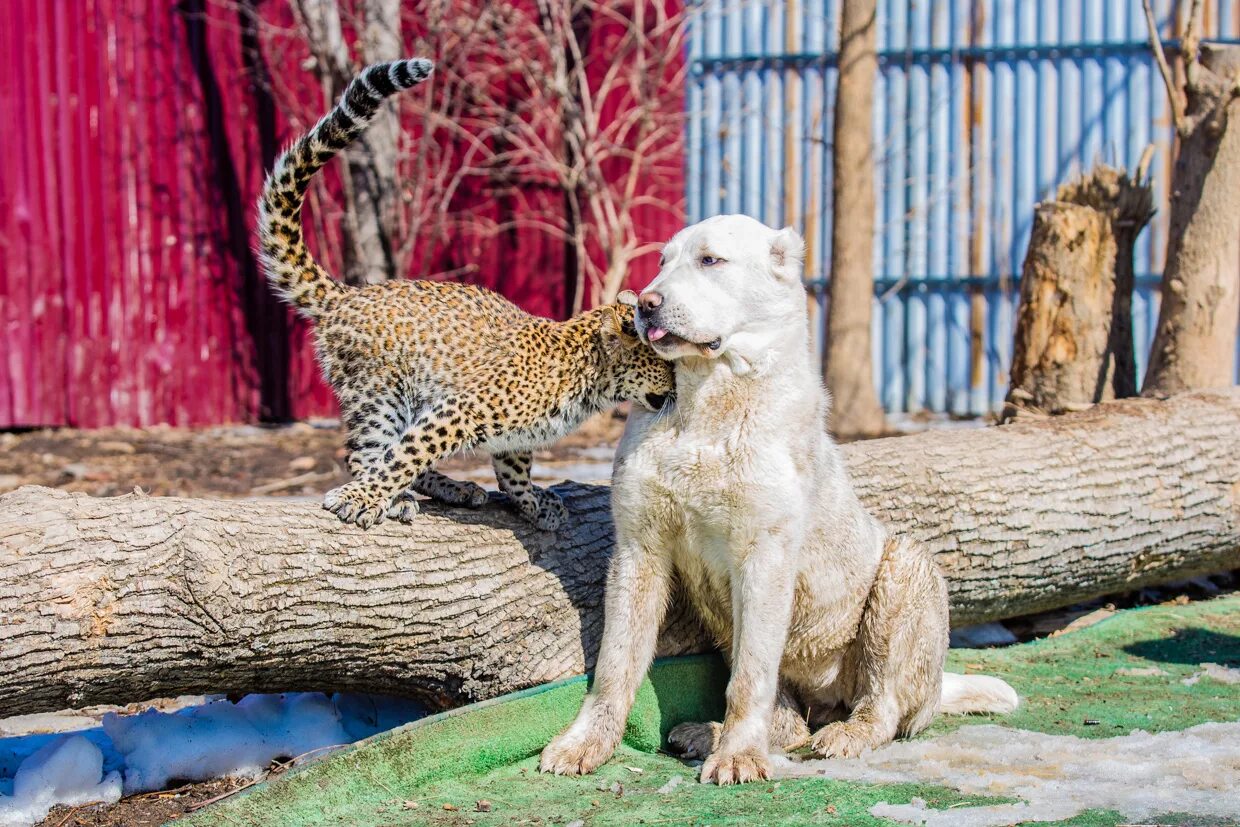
point(709, 261)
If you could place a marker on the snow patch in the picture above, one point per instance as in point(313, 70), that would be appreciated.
point(67, 770)
point(1222, 674)
point(144, 752)
point(1055, 776)
point(1140, 671)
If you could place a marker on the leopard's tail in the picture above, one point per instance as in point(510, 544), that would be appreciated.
point(292, 271)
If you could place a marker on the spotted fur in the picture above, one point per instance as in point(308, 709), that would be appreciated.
point(423, 369)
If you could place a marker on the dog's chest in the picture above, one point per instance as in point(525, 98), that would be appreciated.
point(698, 473)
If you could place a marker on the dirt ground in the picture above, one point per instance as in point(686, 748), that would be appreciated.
point(303, 459)
point(146, 810)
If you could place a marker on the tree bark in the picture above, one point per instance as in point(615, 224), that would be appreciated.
point(108, 600)
point(847, 361)
point(1073, 343)
point(1195, 342)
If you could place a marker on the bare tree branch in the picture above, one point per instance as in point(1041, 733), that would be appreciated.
point(1174, 94)
point(1190, 46)
point(557, 110)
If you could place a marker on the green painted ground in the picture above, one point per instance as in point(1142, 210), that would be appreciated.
point(435, 771)
point(1067, 680)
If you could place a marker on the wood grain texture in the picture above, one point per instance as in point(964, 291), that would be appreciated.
point(117, 599)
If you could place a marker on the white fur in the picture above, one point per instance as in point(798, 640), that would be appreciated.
point(740, 492)
point(966, 694)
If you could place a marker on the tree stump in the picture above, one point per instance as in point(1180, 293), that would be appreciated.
point(1074, 333)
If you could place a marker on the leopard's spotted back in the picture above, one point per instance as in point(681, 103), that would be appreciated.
point(424, 369)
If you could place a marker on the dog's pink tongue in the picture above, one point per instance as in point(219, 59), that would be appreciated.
point(654, 334)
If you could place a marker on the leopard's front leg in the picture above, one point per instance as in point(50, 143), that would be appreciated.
point(382, 470)
point(537, 505)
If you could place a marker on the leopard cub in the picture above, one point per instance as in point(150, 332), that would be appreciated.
point(423, 369)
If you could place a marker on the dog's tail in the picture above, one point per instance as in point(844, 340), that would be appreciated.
point(292, 271)
point(964, 694)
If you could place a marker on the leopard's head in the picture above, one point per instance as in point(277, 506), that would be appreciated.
point(632, 370)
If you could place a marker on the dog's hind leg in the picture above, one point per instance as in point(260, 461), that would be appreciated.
point(897, 657)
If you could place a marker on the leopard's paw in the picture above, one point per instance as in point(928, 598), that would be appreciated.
point(693, 740)
point(465, 494)
point(551, 511)
point(357, 502)
point(404, 508)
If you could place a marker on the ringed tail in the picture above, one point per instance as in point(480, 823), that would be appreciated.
point(291, 270)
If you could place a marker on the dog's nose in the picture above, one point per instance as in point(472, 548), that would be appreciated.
point(649, 301)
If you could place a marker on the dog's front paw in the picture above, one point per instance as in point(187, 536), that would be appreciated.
point(736, 767)
point(694, 740)
point(574, 755)
point(357, 502)
point(844, 739)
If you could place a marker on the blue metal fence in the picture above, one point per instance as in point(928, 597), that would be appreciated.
point(982, 108)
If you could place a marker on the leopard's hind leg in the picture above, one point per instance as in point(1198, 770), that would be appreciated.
point(537, 505)
point(385, 460)
point(441, 488)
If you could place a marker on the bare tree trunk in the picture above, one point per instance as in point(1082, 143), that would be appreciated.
point(372, 161)
point(367, 252)
point(106, 600)
point(1195, 343)
point(847, 363)
point(1074, 336)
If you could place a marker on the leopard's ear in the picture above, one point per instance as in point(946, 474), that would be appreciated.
point(617, 331)
point(627, 297)
point(611, 332)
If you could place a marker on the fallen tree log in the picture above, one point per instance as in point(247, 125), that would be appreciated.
point(115, 599)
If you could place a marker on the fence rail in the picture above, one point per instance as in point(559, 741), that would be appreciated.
point(982, 108)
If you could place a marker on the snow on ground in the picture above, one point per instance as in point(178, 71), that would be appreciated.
point(1055, 777)
point(136, 753)
point(68, 770)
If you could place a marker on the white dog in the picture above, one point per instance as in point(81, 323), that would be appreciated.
point(740, 493)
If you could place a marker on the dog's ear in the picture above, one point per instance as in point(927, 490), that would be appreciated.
point(627, 297)
point(787, 254)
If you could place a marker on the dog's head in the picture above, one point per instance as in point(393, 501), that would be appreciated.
point(726, 287)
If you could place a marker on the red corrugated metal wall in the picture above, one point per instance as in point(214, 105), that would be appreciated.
point(134, 149)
